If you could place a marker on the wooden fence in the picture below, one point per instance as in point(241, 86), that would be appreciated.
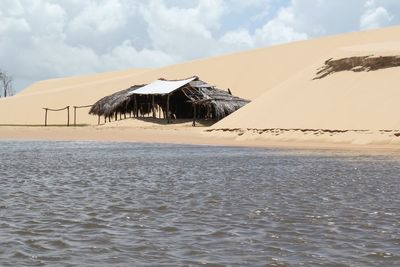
point(50, 109)
point(78, 107)
point(46, 110)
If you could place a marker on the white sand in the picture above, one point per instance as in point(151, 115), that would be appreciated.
point(279, 81)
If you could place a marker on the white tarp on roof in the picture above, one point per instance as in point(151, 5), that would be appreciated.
point(161, 87)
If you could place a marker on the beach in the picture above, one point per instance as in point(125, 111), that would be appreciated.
point(200, 133)
point(333, 92)
point(186, 134)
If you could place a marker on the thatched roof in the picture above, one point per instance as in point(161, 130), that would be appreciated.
point(110, 104)
point(223, 102)
point(191, 90)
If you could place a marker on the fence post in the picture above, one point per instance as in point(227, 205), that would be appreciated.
point(74, 115)
point(45, 116)
point(68, 116)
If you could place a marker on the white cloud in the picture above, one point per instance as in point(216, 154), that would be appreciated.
point(182, 32)
point(374, 17)
point(127, 55)
point(98, 17)
point(279, 30)
point(14, 8)
point(248, 3)
point(276, 32)
point(46, 20)
point(43, 40)
point(237, 40)
point(46, 39)
point(11, 25)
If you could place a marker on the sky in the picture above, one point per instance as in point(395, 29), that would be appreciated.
point(44, 39)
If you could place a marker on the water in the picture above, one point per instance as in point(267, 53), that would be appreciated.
point(124, 204)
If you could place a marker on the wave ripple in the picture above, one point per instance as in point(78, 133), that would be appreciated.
point(124, 204)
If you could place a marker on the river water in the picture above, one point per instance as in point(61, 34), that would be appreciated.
point(132, 204)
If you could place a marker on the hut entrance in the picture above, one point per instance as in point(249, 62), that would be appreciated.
point(180, 107)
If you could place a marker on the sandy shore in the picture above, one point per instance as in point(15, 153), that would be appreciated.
point(185, 134)
point(355, 107)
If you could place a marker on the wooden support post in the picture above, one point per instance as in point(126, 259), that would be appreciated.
point(124, 115)
point(135, 109)
point(116, 116)
point(74, 115)
point(109, 119)
point(168, 108)
point(194, 115)
point(120, 116)
point(98, 121)
point(152, 106)
point(45, 117)
point(68, 116)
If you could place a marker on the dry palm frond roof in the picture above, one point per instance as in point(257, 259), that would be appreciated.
point(197, 92)
point(109, 104)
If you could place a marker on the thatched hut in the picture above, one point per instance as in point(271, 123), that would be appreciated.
point(169, 99)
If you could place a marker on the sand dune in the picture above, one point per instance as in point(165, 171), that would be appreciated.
point(341, 101)
point(278, 80)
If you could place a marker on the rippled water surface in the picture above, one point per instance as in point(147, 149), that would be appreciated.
point(124, 204)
